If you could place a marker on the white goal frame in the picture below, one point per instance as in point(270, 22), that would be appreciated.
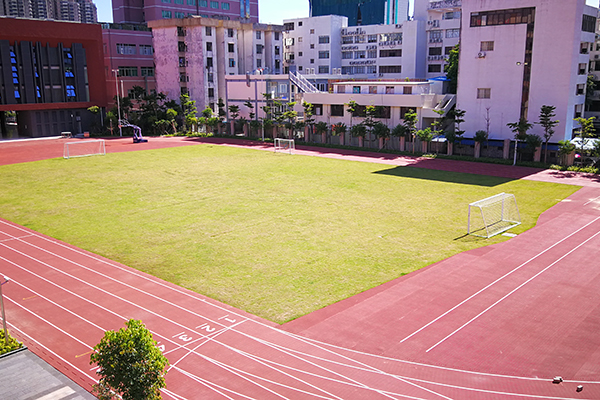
point(284, 145)
point(94, 147)
point(493, 215)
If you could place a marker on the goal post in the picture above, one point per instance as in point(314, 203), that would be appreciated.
point(494, 215)
point(84, 148)
point(284, 145)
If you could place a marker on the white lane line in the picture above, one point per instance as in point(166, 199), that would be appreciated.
point(211, 385)
point(592, 201)
point(14, 238)
point(497, 280)
point(202, 299)
point(512, 291)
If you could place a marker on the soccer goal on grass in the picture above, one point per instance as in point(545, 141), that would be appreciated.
point(494, 215)
point(84, 148)
point(285, 145)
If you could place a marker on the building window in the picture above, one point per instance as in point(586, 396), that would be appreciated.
point(323, 69)
point(146, 50)
point(183, 77)
point(203, 3)
point(312, 46)
point(211, 92)
point(209, 46)
point(372, 38)
point(390, 53)
point(447, 50)
point(360, 39)
point(224, 6)
point(230, 47)
point(258, 63)
point(435, 37)
point(125, 48)
point(487, 46)
point(312, 31)
point(214, 4)
point(299, 23)
point(147, 71)
point(276, 35)
point(588, 23)
point(323, 39)
point(390, 37)
point(323, 54)
point(434, 68)
point(312, 60)
point(181, 46)
point(209, 62)
point(582, 69)
point(371, 69)
point(166, 14)
point(360, 54)
point(371, 53)
point(276, 50)
point(390, 69)
point(435, 51)
point(451, 15)
point(300, 39)
point(503, 17)
point(452, 33)
point(231, 62)
point(166, 1)
point(259, 48)
point(179, 15)
point(128, 71)
point(341, 89)
point(347, 40)
point(300, 68)
point(347, 55)
point(208, 31)
point(191, 2)
point(389, 90)
point(372, 89)
point(407, 90)
point(337, 110)
point(356, 89)
point(229, 32)
point(258, 35)
point(288, 26)
point(178, 1)
point(484, 93)
point(210, 77)
point(182, 62)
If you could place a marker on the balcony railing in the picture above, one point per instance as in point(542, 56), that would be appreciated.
point(445, 4)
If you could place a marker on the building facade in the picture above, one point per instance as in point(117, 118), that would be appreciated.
point(510, 66)
point(362, 12)
point(193, 55)
point(141, 11)
point(63, 10)
point(50, 73)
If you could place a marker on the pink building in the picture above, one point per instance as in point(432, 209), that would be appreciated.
point(128, 52)
point(140, 11)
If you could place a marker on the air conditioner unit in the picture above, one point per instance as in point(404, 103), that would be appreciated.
point(481, 54)
point(312, 71)
point(380, 75)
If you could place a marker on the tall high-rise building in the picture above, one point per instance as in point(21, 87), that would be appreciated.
point(362, 12)
point(64, 10)
point(141, 11)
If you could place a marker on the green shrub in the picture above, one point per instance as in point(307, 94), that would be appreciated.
point(13, 344)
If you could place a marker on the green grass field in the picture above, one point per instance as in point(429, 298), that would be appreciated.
point(276, 235)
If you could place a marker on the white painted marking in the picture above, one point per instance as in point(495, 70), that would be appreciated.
point(58, 394)
point(512, 291)
point(497, 280)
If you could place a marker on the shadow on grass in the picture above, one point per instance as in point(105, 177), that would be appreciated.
point(444, 176)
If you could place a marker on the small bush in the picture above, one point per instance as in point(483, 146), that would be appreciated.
point(13, 344)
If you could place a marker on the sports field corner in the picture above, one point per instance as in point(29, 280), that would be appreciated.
point(495, 322)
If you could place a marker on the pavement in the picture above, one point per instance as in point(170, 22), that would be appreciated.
point(25, 376)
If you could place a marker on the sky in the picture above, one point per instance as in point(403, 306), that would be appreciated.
point(269, 11)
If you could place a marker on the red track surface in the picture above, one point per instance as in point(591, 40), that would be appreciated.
point(493, 323)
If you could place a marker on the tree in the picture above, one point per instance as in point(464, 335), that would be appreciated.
point(546, 121)
point(451, 69)
point(95, 110)
point(520, 130)
point(309, 119)
point(339, 129)
point(590, 87)
point(189, 109)
point(321, 129)
point(565, 147)
point(171, 115)
point(131, 366)
point(352, 105)
point(410, 122)
point(234, 113)
point(250, 106)
point(359, 131)
point(586, 129)
point(424, 136)
point(480, 137)
point(381, 131)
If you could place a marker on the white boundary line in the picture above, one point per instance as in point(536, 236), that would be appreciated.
point(204, 300)
point(496, 281)
point(514, 290)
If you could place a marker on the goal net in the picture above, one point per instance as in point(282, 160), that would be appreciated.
point(84, 148)
point(285, 145)
point(494, 215)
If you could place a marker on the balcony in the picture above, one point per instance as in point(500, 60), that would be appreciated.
point(437, 58)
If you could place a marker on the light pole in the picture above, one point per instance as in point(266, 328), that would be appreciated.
point(2, 307)
point(116, 71)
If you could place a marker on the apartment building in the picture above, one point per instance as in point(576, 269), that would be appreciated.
point(64, 10)
point(193, 55)
point(510, 66)
point(362, 12)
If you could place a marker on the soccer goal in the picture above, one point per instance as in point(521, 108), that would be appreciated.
point(285, 145)
point(84, 148)
point(494, 215)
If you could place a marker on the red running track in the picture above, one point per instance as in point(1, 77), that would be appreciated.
point(438, 342)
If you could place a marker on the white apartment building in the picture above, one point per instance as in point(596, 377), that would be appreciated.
point(193, 55)
point(517, 55)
